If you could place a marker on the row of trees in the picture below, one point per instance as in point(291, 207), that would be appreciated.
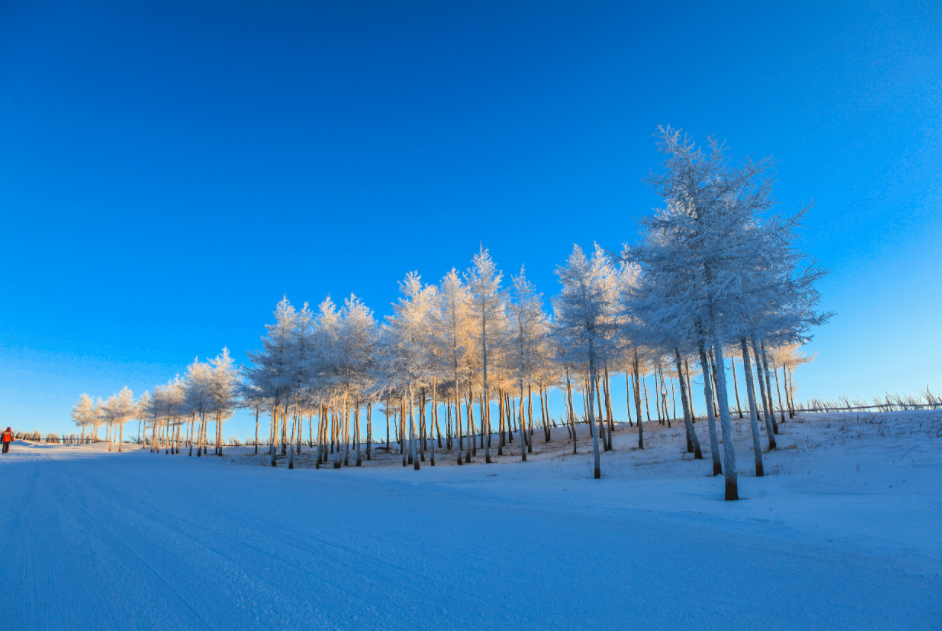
point(208, 392)
point(711, 275)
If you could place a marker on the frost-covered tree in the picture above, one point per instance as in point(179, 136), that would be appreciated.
point(488, 313)
point(452, 338)
point(648, 308)
point(780, 299)
point(197, 401)
point(140, 413)
point(123, 410)
point(701, 238)
point(252, 399)
point(83, 413)
point(271, 369)
point(223, 392)
point(585, 319)
point(355, 368)
point(526, 337)
point(301, 365)
point(107, 412)
point(408, 354)
point(327, 359)
point(168, 405)
point(710, 246)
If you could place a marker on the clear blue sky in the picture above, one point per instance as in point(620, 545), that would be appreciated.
point(169, 170)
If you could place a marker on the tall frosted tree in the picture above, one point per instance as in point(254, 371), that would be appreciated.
point(452, 336)
point(408, 343)
point(700, 237)
point(708, 243)
point(356, 359)
point(488, 312)
point(223, 392)
point(271, 369)
point(301, 364)
point(327, 373)
point(525, 340)
point(197, 401)
point(585, 321)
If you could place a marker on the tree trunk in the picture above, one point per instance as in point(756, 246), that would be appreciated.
point(789, 392)
point(572, 413)
point(708, 396)
point(523, 425)
point(673, 401)
point(716, 405)
point(595, 434)
point(435, 412)
point(662, 388)
point(369, 430)
point(274, 428)
point(778, 390)
point(294, 421)
point(768, 384)
point(765, 401)
point(530, 417)
point(415, 461)
point(729, 449)
point(736, 385)
point(600, 415)
point(693, 443)
point(387, 423)
point(424, 424)
point(647, 405)
point(608, 410)
point(753, 417)
point(472, 429)
point(459, 434)
point(402, 431)
point(628, 396)
point(485, 406)
point(500, 421)
point(345, 432)
point(693, 411)
point(637, 395)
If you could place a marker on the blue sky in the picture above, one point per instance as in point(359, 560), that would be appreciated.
point(169, 170)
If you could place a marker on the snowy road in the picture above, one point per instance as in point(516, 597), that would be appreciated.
point(140, 541)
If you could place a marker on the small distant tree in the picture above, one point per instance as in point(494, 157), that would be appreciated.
point(83, 413)
point(197, 402)
point(140, 413)
point(123, 411)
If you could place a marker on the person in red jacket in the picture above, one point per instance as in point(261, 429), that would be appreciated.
point(7, 439)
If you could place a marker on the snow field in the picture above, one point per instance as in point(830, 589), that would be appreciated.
point(842, 533)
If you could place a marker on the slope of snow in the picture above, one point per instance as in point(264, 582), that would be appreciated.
point(843, 533)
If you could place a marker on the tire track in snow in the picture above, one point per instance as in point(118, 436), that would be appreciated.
point(136, 555)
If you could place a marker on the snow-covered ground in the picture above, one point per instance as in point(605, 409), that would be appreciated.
point(844, 532)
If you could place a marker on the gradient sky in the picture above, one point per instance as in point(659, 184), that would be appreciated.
point(169, 170)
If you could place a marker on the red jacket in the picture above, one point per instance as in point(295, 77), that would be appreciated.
point(8, 437)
